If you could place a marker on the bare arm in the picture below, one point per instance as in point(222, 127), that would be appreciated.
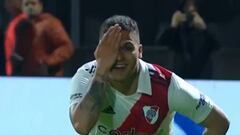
point(187, 100)
point(84, 114)
point(216, 123)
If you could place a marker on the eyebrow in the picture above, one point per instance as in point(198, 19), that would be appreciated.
point(127, 41)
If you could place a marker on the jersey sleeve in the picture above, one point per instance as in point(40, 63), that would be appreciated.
point(81, 81)
point(188, 100)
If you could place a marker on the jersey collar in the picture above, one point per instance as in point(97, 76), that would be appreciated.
point(144, 82)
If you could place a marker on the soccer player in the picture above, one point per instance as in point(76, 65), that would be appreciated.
point(118, 93)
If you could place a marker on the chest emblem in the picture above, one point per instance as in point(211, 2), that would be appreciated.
point(151, 114)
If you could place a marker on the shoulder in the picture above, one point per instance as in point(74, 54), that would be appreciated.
point(47, 15)
point(159, 71)
point(17, 19)
point(49, 19)
point(87, 69)
point(83, 75)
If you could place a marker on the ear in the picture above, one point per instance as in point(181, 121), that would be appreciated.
point(140, 51)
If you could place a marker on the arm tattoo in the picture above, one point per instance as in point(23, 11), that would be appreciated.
point(97, 91)
point(95, 96)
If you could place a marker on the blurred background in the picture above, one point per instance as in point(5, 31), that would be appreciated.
point(208, 58)
point(81, 20)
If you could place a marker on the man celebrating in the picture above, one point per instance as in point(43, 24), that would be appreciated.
point(118, 93)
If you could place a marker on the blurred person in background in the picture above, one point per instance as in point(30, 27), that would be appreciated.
point(2, 56)
point(41, 43)
point(190, 39)
point(13, 7)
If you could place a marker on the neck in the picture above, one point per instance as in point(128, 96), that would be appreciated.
point(129, 85)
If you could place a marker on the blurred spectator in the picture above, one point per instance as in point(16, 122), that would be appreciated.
point(41, 43)
point(2, 56)
point(13, 7)
point(188, 36)
point(2, 72)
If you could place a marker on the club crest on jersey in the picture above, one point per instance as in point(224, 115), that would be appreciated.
point(151, 114)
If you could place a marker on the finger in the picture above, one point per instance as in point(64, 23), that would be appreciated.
point(108, 35)
point(115, 36)
point(118, 34)
point(114, 30)
point(118, 40)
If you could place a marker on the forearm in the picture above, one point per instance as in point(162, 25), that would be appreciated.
point(60, 55)
point(216, 123)
point(85, 114)
point(214, 132)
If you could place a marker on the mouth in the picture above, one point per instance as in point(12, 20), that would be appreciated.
point(119, 66)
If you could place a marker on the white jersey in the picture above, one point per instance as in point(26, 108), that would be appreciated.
point(151, 109)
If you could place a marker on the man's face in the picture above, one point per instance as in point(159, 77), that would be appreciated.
point(126, 64)
point(32, 7)
point(189, 7)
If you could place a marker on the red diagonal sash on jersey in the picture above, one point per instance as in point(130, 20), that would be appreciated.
point(150, 110)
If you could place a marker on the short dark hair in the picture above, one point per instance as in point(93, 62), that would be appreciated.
point(127, 24)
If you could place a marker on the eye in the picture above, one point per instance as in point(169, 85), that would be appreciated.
point(128, 46)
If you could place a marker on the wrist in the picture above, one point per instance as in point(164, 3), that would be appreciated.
point(101, 77)
point(101, 73)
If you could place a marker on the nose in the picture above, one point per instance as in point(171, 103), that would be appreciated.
point(119, 56)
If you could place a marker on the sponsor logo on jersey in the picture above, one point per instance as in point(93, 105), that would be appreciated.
point(106, 131)
point(75, 96)
point(108, 110)
point(201, 102)
point(158, 73)
point(151, 114)
point(91, 69)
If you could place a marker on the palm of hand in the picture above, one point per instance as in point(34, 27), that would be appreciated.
point(107, 50)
